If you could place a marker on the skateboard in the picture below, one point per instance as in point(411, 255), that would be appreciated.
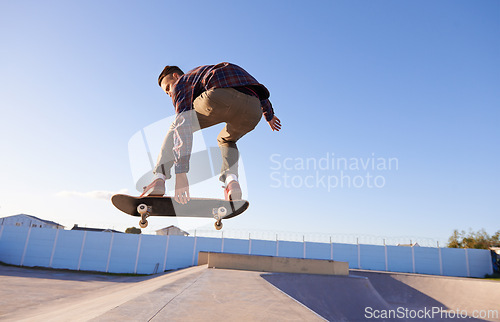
point(166, 206)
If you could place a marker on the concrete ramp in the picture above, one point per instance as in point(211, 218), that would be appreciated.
point(365, 296)
point(335, 298)
point(192, 294)
point(200, 293)
point(216, 295)
point(466, 295)
point(273, 264)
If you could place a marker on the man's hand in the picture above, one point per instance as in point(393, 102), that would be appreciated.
point(275, 123)
point(181, 188)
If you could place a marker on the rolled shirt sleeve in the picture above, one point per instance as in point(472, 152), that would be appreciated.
point(183, 132)
point(267, 109)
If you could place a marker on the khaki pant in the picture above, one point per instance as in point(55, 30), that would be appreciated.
point(239, 111)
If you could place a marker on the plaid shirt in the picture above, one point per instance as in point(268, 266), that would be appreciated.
point(190, 85)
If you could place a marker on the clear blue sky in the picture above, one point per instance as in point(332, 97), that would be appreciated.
point(416, 81)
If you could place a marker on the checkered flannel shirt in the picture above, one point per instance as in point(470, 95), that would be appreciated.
point(191, 85)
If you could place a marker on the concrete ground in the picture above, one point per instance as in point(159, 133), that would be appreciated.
point(199, 293)
point(195, 293)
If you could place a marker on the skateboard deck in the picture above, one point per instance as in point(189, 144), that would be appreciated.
point(166, 206)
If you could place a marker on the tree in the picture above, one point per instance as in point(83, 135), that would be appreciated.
point(133, 230)
point(455, 241)
point(496, 239)
point(478, 240)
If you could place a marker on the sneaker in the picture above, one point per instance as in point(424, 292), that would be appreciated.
point(232, 191)
point(155, 188)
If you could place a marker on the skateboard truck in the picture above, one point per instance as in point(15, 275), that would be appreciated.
point(145, 212)
point(219, 213)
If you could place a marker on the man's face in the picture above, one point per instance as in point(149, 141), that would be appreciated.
point(168, 82)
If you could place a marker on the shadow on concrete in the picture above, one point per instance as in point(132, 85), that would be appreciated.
point(70, 275)
point(356, 298)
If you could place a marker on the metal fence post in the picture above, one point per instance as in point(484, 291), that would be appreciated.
point(467, 261)
point(54, 249)
point(413, 258)
point(331, 248)
point(109, 251)
point(440, 260)
point(304, 241)
point(386, 257)
point(194, 248)
point(81, 250)
point(277, 245)
point(249, 244)
point(137, 255)
point(25, 246)
point(359, 253)
point(222, 244)
point(166, 251)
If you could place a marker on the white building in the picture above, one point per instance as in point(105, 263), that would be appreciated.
point(97, 230)
point(409, 245)
point(172, 230)
point(23, 220)
point(495, 249)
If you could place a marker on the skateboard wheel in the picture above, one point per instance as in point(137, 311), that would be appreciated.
point(218, 225)
point(142, 209)
point(143, 224)
point(222, 211)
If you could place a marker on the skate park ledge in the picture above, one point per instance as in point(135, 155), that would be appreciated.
point(272, 264)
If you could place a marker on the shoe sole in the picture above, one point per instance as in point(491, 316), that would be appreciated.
point(150, 193)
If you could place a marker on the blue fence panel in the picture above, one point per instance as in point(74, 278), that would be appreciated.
point(427, 260)
point(40, 247)
point(454, 262)
point(263, 247)
point(399, 259)
point(152, 254)
point(180, 252)
point(206, 244)
point(12, 244)
point(236, 246)
point(290, 249)
point(480, 262)
point(346, 253)
point(372, 257)
point(96, 251)
point(68, 248)
point(123, 253)
point(318, 250)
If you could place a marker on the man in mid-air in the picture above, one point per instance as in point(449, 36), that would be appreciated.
point(203, 97)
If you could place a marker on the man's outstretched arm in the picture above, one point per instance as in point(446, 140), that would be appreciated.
point(275, 123)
